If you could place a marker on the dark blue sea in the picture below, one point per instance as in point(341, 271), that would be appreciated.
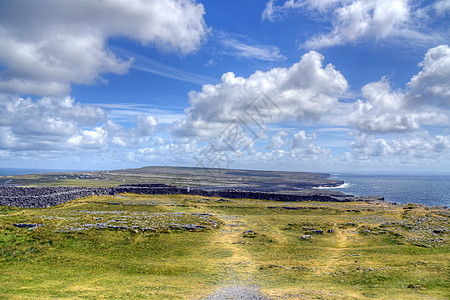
point(423, 189)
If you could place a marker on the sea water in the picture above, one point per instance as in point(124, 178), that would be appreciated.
point(423, 189)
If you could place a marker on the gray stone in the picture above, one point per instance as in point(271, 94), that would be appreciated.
point(317, 231)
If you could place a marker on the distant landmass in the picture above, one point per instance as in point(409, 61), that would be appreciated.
point(249, 180)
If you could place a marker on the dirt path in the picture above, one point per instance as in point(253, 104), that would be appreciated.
point(240, 264)
point(238, 281)
point(336, 253)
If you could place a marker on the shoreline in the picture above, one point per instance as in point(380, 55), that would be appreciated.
point(299, 183)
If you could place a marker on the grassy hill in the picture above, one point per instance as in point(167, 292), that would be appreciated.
point(184, 246)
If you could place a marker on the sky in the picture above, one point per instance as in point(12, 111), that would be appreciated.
point(294, 85)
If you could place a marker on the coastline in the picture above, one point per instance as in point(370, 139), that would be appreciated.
point(392, 187)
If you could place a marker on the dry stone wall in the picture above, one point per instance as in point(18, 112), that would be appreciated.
point(45, 196)
point(51, 196)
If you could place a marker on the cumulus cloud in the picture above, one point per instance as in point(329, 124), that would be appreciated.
point(47, 44)
point(426, 102)
point(432, 85)
point(376, 18)
point(305, 144)
point(168, 152)
point(43, 123)
point(57, 123)
point(409, 148)
point(304, 91)
point(353, 20)
point(383, 110)
point(146, 124)
point(277, 140)
point(111, 134)
point(296, 151)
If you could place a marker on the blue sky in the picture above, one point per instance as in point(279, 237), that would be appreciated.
point(325, 85)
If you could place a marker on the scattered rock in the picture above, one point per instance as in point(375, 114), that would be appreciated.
point(291, 208)
point(24, 225)
point(193, 227)
point(27, 225)
point(416, 286)
point(222, 200)
point(249, 234)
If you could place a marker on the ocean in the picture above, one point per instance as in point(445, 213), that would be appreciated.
point(423, 189)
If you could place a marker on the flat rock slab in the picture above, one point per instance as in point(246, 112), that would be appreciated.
point(243, 292)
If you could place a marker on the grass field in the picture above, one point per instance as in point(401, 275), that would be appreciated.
point(186, 247)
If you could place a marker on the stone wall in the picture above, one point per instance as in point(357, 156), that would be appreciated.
point(239, 194)
point(51, 196)
point(45, 196)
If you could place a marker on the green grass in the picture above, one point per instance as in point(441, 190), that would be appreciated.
point(391, 261)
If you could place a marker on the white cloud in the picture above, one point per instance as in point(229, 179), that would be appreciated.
point(277, 141)
point(61, 123)
point(47, 45)
point(273, 11)
point(442, 7)
point(261, 52)
point(304, 91)
point(89, 138)
point(432, 84)
point(168, 152)
point(376, 19)
point(146, 124)
point(146, 64)
point(383, 111)
point(126, 112)
point(111, 134)
point(353, 20)
point(306, 146)
point(43, 123)
point(404, 148)
point(426, 102)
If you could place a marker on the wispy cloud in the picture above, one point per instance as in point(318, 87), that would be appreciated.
point(152, 66)
point(261, 52)
point(126, 112)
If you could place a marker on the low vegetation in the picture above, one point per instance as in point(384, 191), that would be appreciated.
point(182, 246)
point(274, 181)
